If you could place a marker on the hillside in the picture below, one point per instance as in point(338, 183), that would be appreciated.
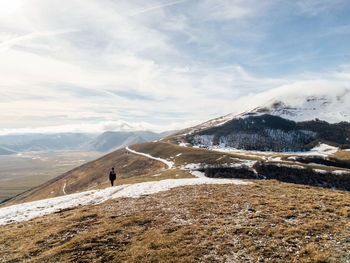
point(129, 168)
point(271, 133)
point(92, 175)
point(283, 125)
point(132, 167)
point(264, 222)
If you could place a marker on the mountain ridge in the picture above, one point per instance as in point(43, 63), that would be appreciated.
point(277, 126)
point(107, 141)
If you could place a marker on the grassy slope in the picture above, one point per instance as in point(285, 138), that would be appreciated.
point(19, 173)
point(133, 168)
point(287, 223)
point(93, 175)
point(130, 168)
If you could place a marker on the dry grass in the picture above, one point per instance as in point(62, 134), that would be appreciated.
point(196, 155)
point(132, 168)
point(188, 154)
point(93, 175)
point(286, 223)
point(342, 155)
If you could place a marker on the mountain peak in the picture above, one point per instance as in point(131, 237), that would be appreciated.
point(308, 108)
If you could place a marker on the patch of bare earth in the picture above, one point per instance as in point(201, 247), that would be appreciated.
point(267, 221)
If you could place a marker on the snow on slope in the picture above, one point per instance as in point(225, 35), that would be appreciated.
point(27, 211)
point(30, 210)
point(322, 149)
point(325, 108)
point(168, 163)
point(331, 108)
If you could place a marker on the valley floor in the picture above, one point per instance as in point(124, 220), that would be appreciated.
point(21, 172)
point(267, 221)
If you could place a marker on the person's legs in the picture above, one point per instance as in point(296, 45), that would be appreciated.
point(112, 182)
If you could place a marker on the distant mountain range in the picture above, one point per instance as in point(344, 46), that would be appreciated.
point(107, 141)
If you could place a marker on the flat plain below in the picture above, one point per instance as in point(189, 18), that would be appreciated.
point(21, 172)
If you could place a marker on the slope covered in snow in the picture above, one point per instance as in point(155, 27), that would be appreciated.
point(30, 210)
point(27, 211)
point(285, 124)
point(325, 108)
point(330, 108)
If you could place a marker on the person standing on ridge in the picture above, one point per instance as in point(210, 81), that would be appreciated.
point(112, 176)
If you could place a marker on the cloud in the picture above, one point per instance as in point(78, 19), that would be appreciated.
point(155, 7)
point(85, 61)
point(20, 40)
point(316, 7)
point(100, 127)
point(295, 94)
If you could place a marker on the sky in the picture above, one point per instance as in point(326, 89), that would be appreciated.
point(96, 65)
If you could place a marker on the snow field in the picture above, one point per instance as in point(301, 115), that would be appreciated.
point(30, 210)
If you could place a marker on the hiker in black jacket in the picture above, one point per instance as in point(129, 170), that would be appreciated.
point(112, 176)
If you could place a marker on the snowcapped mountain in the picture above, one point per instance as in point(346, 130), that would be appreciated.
point(329, 109)
point(332, 109)
point(295, 124)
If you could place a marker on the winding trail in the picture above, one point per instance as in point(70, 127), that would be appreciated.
point(168, 163)
point(64, 187)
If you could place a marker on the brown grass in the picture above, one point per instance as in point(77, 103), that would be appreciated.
point(93, 175)
point(286, 223)
point(132, 168)
point(342, 155)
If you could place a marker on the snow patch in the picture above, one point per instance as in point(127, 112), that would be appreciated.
point(30, 210)
point(322, 149)
point(339, 172)
point(198, 174)
point(320, 171)
point(290, 166)
point(317, 164)
point(325, 149)
point(274, 159)
point(192, 166)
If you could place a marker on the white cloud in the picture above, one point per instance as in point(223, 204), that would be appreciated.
point(158, 62)
point(99, 127)
point(316, 7)
point(295, 93)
